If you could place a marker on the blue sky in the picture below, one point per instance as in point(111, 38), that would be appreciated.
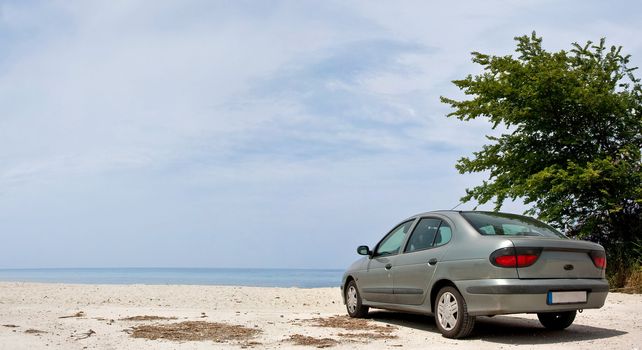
point(245, 133)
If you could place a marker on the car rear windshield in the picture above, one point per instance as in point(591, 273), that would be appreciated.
point(490, 223)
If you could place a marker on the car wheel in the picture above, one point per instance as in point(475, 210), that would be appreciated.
point(451, 314)
point(353, 301)
point(556, 320)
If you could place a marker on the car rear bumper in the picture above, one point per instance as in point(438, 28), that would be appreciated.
point(508, 296)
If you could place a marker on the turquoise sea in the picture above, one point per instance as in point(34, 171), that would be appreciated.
point(303, 278)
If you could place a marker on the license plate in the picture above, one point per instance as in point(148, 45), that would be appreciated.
point(566, 297)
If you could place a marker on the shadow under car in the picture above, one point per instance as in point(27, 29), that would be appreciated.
point(502, 329)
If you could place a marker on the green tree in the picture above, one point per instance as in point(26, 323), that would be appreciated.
point(572, 145)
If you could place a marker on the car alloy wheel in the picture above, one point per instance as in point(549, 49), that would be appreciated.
point(353, 301)
point(447, 311)
point(451, 314)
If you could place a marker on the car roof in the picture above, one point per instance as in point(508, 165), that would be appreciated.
point(449, 213)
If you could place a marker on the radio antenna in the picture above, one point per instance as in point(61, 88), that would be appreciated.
point(460, 203)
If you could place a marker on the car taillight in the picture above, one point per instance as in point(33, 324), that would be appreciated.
point(599, 259)
point(515, 257)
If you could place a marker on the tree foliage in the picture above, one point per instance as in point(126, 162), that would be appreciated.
point(573, 140)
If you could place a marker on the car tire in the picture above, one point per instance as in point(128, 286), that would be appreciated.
point(556, 320)
point(451, 314)
point(354, 303)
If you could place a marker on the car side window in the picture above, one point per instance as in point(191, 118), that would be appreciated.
point(444, 234)
point(423, 235)
point(428, 233)
point(488, 229)
point(392, 242)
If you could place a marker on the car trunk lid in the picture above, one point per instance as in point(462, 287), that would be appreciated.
point(560, 258)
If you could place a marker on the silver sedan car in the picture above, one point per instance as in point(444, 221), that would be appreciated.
point(457, 265)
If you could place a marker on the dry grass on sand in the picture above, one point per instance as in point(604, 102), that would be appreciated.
point(299, 339)
point(148, 318)
point(76, 315)
point(363, 327)
point(359, 330)
point(195, 331)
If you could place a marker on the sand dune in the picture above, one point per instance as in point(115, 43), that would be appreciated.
point(64, 316)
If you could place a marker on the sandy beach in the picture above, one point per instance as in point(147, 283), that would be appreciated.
point(65, 316)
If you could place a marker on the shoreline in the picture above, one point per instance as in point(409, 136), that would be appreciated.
point(305, 278)
point(107, 316)
point(338, 287)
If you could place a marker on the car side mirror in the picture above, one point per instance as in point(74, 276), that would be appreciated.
point(364, 250)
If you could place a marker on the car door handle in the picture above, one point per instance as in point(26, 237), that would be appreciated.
point(388, 266)
point(432, 261)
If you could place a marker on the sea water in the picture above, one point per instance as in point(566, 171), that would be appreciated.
point(303, 278)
